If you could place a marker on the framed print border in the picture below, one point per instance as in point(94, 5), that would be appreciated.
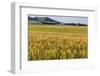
point(16, 30)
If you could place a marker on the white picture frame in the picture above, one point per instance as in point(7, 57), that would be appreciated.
point(19, 63)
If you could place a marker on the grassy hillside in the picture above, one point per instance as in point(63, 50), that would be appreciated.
point(49, 42)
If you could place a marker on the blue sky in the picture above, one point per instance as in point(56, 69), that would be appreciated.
point(68, 19)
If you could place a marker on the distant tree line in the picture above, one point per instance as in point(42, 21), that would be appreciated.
point(62, 24)
point(75, 24)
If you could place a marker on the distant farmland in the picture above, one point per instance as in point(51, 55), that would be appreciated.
point(51, 42)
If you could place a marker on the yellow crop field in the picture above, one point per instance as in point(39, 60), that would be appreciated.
point(52, 42)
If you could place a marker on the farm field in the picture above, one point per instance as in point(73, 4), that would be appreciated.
point(52, 42)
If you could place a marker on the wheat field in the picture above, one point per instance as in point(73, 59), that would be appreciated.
point(52, 42)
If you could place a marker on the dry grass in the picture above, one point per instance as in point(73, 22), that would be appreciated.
point(57, 42)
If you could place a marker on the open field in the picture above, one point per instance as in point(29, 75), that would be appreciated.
point(50, 42)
